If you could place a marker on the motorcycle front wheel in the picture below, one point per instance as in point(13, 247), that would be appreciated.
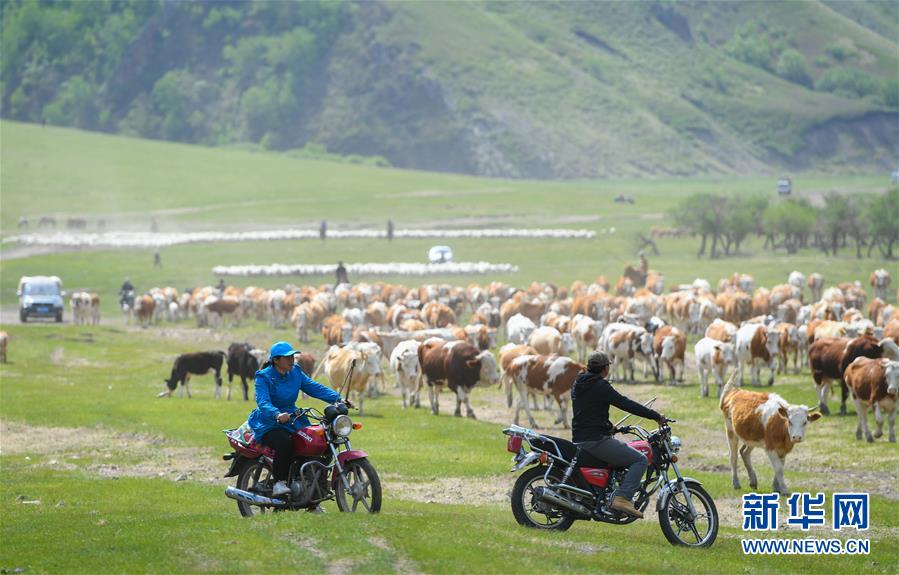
point(674, 518)
point(364, 487)
point(529, 510)
point(250, 475)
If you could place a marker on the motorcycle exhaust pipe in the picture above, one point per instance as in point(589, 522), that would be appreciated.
point(557, 500)
point(252, 498)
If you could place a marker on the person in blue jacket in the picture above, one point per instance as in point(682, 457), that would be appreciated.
point(277, 387)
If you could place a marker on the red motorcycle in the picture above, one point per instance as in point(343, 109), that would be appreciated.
point(569, 484)
point(324, 467)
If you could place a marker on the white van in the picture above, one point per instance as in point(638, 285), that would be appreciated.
point(40, 296)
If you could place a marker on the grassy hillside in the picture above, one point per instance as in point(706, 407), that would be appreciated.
point(129, 182)
point(522, 90)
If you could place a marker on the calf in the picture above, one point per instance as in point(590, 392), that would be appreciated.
point(874, 384)
point(829, 358)
point(757, 345)
point(712, 356)
point(404, 363)
point(544, 375)
point(199, 363)
point(762, 420)
point(243, 363)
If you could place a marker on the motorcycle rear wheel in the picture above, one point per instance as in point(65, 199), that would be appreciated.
point(365, 488)
point(250, 475)
point(530, 512)
point(678, 529)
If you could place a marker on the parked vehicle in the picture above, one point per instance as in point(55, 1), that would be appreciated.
point(40, 296)
point(325, 467)
point(566, 485)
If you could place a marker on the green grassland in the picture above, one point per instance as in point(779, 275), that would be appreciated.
point(103, 380)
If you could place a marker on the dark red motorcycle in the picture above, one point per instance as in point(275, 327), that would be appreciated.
point(324, 467)
point(568, 484)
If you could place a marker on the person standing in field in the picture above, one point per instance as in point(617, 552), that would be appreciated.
point(323, 230)
point(157, 260)
point(389, 230)
point(342, 277)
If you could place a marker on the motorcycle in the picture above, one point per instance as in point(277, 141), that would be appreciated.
point(568, 485)
point(324, 467)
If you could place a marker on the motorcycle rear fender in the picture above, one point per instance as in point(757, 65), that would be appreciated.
point(236, 461)
point(347, 456)
point(665, 491)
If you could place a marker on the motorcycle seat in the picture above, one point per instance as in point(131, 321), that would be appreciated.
point(569, 450)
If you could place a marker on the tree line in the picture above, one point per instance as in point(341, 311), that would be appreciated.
point(840, 222)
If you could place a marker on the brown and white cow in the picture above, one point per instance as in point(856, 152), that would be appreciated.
point(548, 341)
point(815, 282)
point(757, 345)
point(668, 347)
point(547, 375)
point(762, 420)
point(507, 355)
point(829, 358)
point(875, 385)
point(143, 309)
point(458, 365)
point(880, 280)
point(721, 330)
point(789, 342)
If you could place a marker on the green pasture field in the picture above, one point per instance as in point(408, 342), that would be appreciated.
point(102, 382)
point(128, 505)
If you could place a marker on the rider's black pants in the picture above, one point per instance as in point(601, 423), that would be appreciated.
point(618, 454)
point(281, 441)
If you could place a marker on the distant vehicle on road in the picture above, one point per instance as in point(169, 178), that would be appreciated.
point(40, 296)
point(784, 186)
point(440, 254)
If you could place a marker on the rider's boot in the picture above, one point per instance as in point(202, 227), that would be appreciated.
point(625, 506)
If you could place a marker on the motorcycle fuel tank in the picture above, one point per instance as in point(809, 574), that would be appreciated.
point(309, 441)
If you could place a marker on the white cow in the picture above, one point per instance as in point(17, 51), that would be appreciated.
point(519, 328)
point(404, 363)
point(712, 356)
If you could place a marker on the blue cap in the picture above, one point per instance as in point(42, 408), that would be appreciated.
point(280, 349)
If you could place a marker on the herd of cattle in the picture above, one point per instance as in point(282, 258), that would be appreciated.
point(836, 331)
point(418, 334)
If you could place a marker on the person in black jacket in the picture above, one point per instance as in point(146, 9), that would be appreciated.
point(591, 429)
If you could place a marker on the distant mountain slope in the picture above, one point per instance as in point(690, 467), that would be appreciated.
point(520, 89)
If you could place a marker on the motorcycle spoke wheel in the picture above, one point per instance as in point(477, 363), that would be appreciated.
point(529, 510)
point(251, 477)
point(364, 488)
point(679, 529)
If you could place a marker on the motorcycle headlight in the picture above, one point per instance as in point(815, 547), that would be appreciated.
point(342, 425)
point(675, 443)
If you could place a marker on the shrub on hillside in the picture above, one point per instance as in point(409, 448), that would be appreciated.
point(791, 66)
